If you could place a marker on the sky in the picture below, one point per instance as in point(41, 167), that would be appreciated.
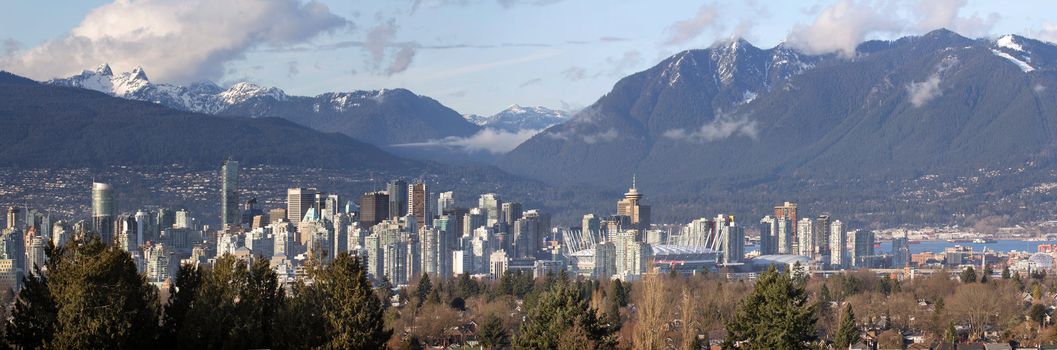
point(475, 56)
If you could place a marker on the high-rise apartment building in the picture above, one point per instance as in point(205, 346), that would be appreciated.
point(806, 238)
point(838, 245)
point(374, 208)
point(491, 206)
point(862, 243)
point(512, 211)
point(298, 202)
point(768, 235)
point(419, 204)
point(785, 236)
point(787, 211)
point(103, 211)
point(14, 217)
point(397, 190)
point(445, 201)
point(731, 240)
point(229, 194)
point(822, 238)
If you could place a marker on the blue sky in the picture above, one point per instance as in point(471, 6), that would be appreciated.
point(476, 56)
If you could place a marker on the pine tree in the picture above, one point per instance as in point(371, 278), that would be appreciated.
point(493, 333)
point(181, 296)
point(353, 312)
point(33, 317)
point(1005, 273)
point(968, 275)
point(102, 300)
point(775, 315)
point(234, 306)
point(847, 333)
point(554, 312)
point(423, 289)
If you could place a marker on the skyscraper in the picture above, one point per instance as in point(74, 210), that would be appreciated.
point(374, 208)
point(491, 205)
point(785, 235)
point(731, 240)
point(419, 204)
point(298, 201)
point(511, 212)
point(787, 211)
point(629, 206)
point(822, 238)
point(13, 217)
point(397, 190)
point(229, 194)
point(838, 245)
point(806, 238)
point(103, 208)
point(768, 235)
point(445, 201)
point(862, 243)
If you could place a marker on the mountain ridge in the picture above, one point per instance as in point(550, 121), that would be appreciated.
point(732, 113)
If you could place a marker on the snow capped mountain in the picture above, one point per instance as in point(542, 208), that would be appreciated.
point(242, 92)
point(202, 97)
point(516, 118)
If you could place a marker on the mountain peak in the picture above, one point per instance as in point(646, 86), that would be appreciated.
point(104, 69)
point(946, 34)
point(138, 74)
point(243, 91)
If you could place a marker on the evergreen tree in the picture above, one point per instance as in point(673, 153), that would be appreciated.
point(102, 300)
point(556, 311)
point(619, 292)
point(775, 315)
point(299, 324)
point(1005, 273)
point(987, 274)
point(493, 333)
point(968, 275)
point(423, 289)
point(33, 318)
point(181, 296)
point(353, 312)
point(233, 307)
point(847, 333)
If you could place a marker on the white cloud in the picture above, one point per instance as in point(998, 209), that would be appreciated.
point(175, 40)
point(1039, 88)
point(843, 25)
point(681, 32)
point(487, 140)
point(720, 128)
point(924, 91)
point(401, 60)
point(935, 14)
point(1048, 32)
point(605, 136)
point(575, 73)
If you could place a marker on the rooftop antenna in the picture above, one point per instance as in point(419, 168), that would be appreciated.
point(633, 181)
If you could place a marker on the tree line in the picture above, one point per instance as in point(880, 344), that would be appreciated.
point(90, 295)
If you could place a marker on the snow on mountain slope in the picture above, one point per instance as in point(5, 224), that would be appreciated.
point(516, 118)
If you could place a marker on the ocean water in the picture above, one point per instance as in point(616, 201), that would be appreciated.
point(939, 246)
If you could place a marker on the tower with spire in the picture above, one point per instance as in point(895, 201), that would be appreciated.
point(638, 215)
